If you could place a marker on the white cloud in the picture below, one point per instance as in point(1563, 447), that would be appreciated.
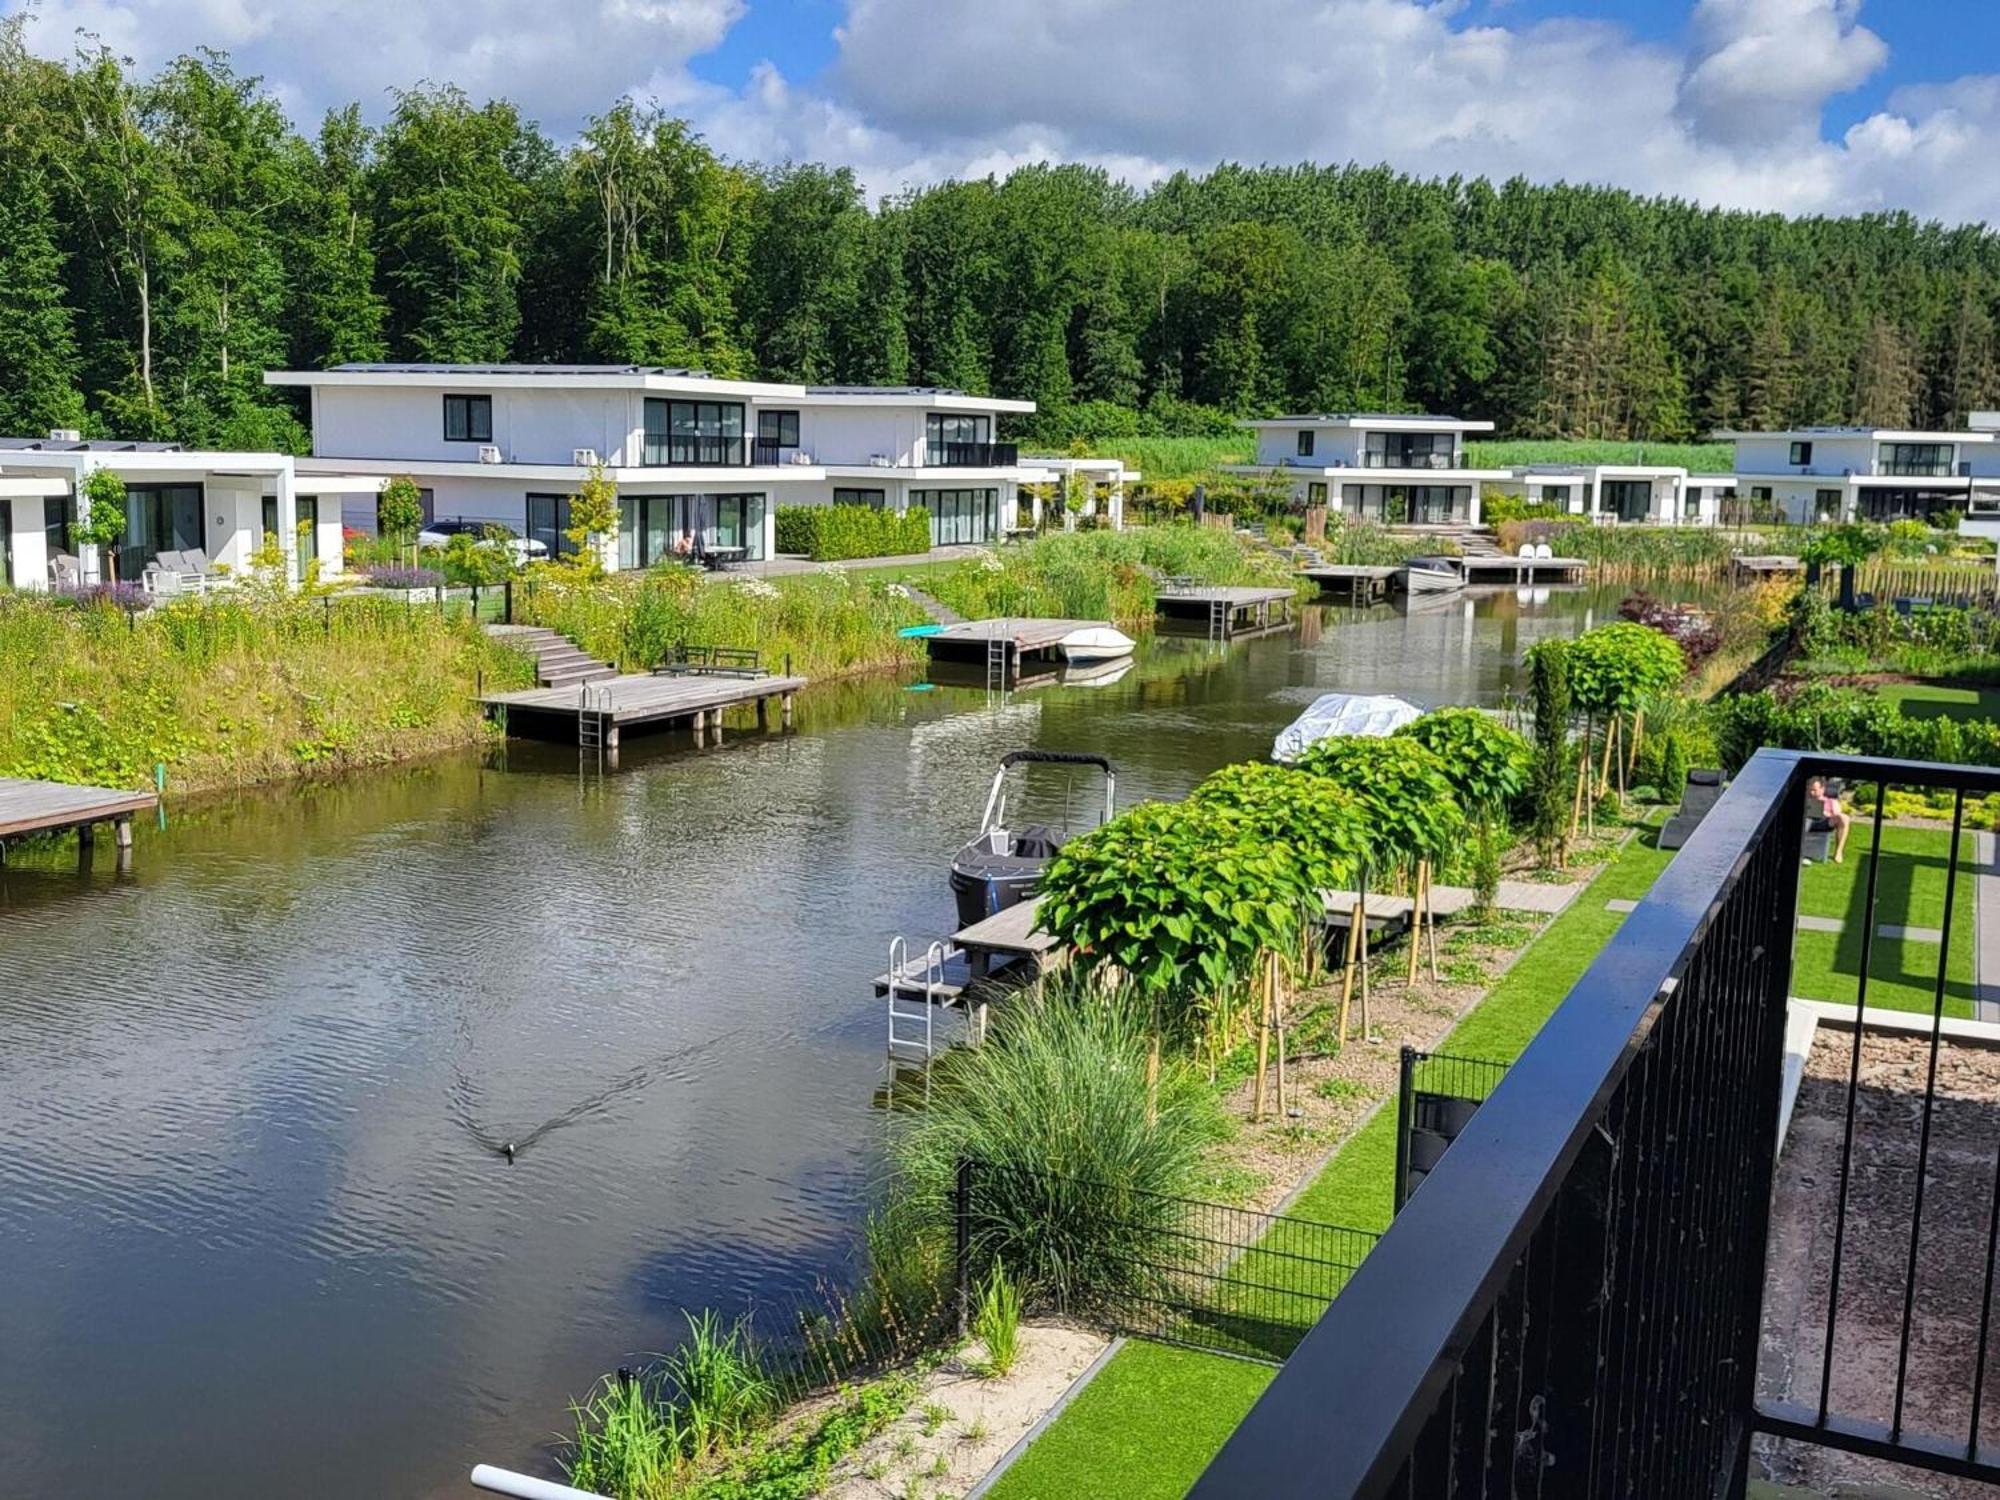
point(924, 89)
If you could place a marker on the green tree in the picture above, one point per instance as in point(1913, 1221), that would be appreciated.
point(336, 312)
point(39, 360)
point(399, 510)
point(593, 520)
point(101, 519)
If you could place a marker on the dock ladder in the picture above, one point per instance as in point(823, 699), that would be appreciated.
point(1218, 619)
point(996, 663)
point(593, 717)
point(912, 1032)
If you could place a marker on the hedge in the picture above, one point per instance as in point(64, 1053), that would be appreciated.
point(833, 533)
point(1820, 717)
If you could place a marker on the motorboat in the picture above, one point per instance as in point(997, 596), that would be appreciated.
point(998, 867)
point(1342, 713)
point(1096, 643)
point(1431, 575)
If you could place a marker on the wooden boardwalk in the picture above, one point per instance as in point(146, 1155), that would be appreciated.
point(40, 807)
point(1010, 650)
point(1007, 947)
point(1502, 569)
point(605, 708)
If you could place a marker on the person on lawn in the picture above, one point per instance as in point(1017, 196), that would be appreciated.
point(1834, 813)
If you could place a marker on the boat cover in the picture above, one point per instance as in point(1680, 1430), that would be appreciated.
point(1342, 713)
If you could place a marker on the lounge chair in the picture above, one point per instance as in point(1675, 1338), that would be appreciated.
point(65, 571)
point(1703, 791)
point(187, 572)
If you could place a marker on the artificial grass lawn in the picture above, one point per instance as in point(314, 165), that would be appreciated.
point(1143, 1429)
point(1909, 892)
point(1936, 700)
point(1154, 1429)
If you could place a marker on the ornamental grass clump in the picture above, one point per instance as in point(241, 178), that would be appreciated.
point(1074, 1152)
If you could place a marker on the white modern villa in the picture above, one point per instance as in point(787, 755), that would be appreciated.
point(219, 505)
point(1860, 473)
point(698, 461)
point(1398, 469)
point(1640, 494)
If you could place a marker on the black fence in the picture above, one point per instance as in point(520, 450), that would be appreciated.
point(1226, 1279)
point(1578, 1300)
point(1437, 1094)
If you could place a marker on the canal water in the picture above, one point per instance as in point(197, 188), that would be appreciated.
point(256, 1233)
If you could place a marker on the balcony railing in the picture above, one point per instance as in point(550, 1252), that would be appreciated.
point(972, 455)
point(1938, 469)
point(1574, 1301)
point(1413, 461)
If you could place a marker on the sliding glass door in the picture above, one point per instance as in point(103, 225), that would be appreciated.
point(159, 518)
point(548, 520)
point(959, 517)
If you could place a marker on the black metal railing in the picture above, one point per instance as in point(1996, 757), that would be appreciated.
point(763, 453)
point(1576, 1299)
point(1437, 1094)
point(971, 455)
point(1211, 1275)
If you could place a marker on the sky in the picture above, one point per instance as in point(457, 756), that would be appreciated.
point(1800, 106)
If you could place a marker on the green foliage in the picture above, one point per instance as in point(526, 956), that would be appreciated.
point(1819, 717)
point(593, 521)
point(836, 533)
point(1181, 896)
point(1406, 796)
point(1614, 668)
point(1549, 795)
point(996, 1320)
point(1485, 761)
point(1056, 1115)
point(399, 509)
point(1848, 545)
point(1696, 458)
point(1323, 825)
point(1500, 506)
point(101, 522)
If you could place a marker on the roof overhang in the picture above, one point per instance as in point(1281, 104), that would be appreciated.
point(1351, 474)
point(1404, 423)
point(733, 477)
point(472, 380)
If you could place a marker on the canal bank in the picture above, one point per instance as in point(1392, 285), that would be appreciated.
point(255, 1091)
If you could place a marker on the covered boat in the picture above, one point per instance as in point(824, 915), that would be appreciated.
point(997, 868)
point(1431, 575)
point(1342, 713)
point(1096, 643)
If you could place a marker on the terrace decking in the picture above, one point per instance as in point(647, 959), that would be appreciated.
point(1501, 569)
point(36, 807)
point(603, 709)
point(1756, 568)
point(1225, 612)
point(1361, 583)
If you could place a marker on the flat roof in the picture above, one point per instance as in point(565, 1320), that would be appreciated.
point(83, 445)
point(1390, 419)
point(1877, 434)
point(1537, 471)
point(666, 378)
point(374, 367)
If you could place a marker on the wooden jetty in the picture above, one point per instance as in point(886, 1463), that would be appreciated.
point(1224, 613)
point(41, 807)
point(1360, 583)
point(1755, 568)
point(1009, 651)
point(594, 714)
point(1501, 569)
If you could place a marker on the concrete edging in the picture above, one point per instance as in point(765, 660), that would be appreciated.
point(1042, 1423)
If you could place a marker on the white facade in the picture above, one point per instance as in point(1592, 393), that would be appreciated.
point(1815, 474)
point(692, 457)
point(221, 504)
point(1634, 494)
point(1374, 466)
point(1102, 481)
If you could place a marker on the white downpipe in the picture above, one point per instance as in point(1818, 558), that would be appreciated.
point(522, 1487)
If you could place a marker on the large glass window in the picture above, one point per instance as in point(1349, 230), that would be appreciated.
point(1408, 450)
point(693, 432)
point(548, 521)
point(873, 499)
point(1926, 460)
point(1906, 505)
point(59, 526)
point(1410, 504)
point(777, 437)
point(1305, 442)
point(1801, 454)
point(953, 439)
point(468, 419)
point(645, 529)
point(1826, 505)
point(959, 517)
point(159, 518)
point(1627, 499)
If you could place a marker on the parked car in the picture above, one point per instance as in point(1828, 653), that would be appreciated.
point(523, 549)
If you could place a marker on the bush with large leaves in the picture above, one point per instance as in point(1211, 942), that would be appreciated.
point(1615, 668)
point(1485, 761)
point(1324, 825)
point(1411, 808)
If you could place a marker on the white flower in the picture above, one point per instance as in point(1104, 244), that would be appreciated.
point(990, 561)
point(896, 590)
point(755, 588)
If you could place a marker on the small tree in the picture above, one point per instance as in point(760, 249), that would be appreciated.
point(593, 520)
point(1846, 547)
point(1549, 778)
point(101, 523)
point(1613, 670)
point(399, 510)
point(1487, 764)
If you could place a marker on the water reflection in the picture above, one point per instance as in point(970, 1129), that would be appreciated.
point(253, 1095)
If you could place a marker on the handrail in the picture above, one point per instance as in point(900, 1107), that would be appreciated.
point(1342, 1417)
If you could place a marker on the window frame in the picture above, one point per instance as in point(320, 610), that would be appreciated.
point(658, 448)
point(468, 403)
point(1802, 453)
point(937, 444)
point(872, 499)
point(1305, 444)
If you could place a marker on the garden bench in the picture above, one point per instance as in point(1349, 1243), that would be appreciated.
point(711, 661)
point(1702, 792)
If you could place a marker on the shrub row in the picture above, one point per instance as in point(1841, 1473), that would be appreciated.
point(836, 533)
point(1819, 717)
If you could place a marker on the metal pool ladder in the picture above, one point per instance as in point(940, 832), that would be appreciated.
point(996, 663)
point(902, 977)
point(593, 715)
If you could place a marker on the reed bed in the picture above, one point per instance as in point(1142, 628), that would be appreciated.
point(235, 689)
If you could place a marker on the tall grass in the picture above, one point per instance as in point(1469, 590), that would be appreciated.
point(1162, 458)
point(235, 688)
point(1068, 1139)
point(1696, 458)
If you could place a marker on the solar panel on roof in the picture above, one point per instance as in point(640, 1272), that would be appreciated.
point(365, 367)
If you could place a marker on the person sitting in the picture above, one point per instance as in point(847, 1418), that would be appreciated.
point(1828, 806)
point(682, 545)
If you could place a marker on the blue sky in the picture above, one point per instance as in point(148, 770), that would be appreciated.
point(1830, 106)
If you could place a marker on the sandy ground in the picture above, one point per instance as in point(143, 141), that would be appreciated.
point(960, 1425)
point(1951, 1256)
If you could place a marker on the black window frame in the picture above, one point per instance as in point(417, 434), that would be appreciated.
point(665, 444)
point(467, 404)
point(1801, 454)
point(1316, 492)
point(783, 420)
point(945, 431)
point(1305, 445)
point(1917, 460)
point(850, 495)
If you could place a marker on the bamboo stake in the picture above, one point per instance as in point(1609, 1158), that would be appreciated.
point(1354, 922)
point(1364, 957)
point(1638, 734)
point(1431, 925)
point(1263, 1039)
point(1278, 1018)
point(1604, 768)
point(1417, 916)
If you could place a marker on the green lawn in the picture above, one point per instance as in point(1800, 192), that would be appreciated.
point(1937, 700)
point(1155, 1425)
point(1909, 892)
point(1143, 1429)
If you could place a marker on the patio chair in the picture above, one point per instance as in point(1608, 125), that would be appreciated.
point(1543, 549)
point(1527, 549)
point(185, 572)
point(1702, 792)
point(65, 571)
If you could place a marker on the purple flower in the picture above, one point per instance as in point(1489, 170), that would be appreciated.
point(108, 595)
point(392, 577)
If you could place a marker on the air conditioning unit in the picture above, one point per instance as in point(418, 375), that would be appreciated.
point(881, 461)
point(65, 435)
point(802, 458)
point(583, 458)
point(489, 455)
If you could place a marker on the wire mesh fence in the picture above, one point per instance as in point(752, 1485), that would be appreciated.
point(1211, 1275)
point(1437, 1096)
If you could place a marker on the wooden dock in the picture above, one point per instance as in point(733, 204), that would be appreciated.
point(1501, 569)
point(1010, 650)
point(42, 807)
point(1357, 582)
point(1225, 613)
point(595, 713)
point(1755, 568)
point(1004, 950)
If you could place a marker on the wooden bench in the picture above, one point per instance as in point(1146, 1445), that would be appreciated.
point(711, 661)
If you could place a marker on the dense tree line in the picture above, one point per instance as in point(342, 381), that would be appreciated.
point(164, 240)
